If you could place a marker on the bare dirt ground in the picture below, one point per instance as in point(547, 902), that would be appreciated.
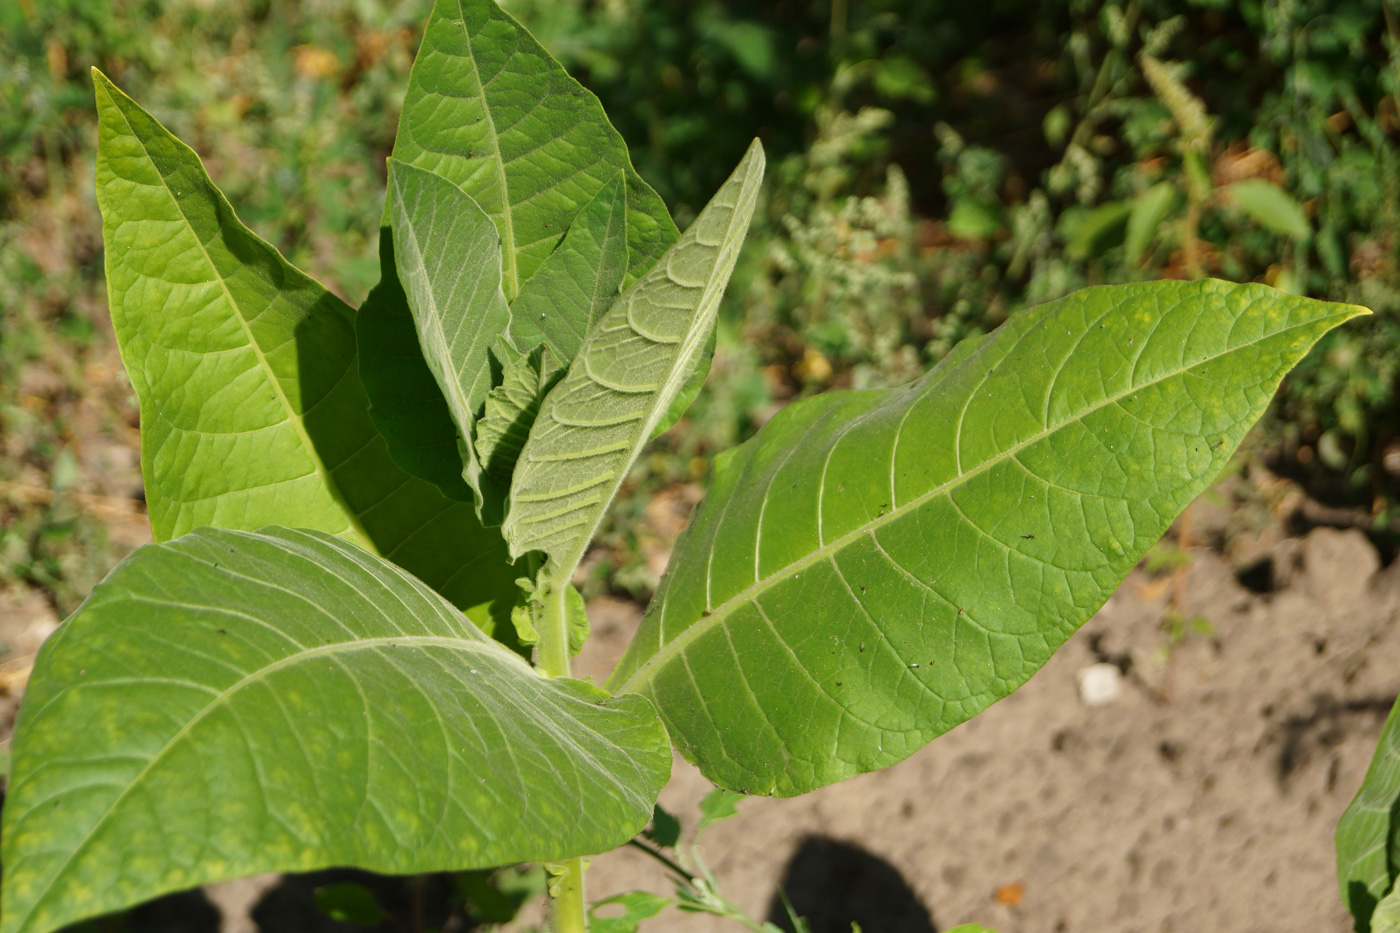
point(1202, 797)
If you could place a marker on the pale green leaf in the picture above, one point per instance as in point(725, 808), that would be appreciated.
point(874, 568)
point(719, 804)
point(230, 703)
point(1272, 208)
point(636, 906)
point(448, 257)
point(1368, 835)
point(579, 281)
point(488, 109)
point(252, 411)
point(1386, 919)
point(631, 367)
point(1150, 209)
point(971, 928)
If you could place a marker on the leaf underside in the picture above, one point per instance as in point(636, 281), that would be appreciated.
point(513, 406)
point(448, 257)
point(230, 703)
point(1368, 835)
point(579, 280)
point(252, 410)
point(632, 365)
point(874, 568)
point(490, 110)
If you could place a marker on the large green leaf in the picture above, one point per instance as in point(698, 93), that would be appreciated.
point(579, 281)
point(1368, 835)
point(488, 109)
point(229, 703)
point(873, 568)
point(633, 364)
point(252, 411)
point(448, 257)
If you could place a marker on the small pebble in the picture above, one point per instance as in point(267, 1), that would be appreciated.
point(1099, 684)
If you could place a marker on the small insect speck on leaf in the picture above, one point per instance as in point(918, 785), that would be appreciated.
point(862, 646)
point(914, 665)
point(1028, 537)
point(222, 631)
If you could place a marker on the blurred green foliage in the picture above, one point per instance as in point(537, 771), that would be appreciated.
point(936, 167)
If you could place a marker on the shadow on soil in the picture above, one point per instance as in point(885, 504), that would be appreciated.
point(834, 884)
point(290, 907)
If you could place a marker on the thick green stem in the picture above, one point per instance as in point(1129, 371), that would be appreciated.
point(553, 648)
point(567, 910)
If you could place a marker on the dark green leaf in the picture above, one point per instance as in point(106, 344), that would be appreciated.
point(665, 829)
point(407, 406)
point(1150, 209)
point(876, 567)
point(230, 703)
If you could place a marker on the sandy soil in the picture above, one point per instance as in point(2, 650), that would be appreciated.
point(1202, 797)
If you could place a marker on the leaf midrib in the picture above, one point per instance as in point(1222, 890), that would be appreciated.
point(510, 277)
point(468, 644)
point(434, 316)
point(352, 519)
point(663, 656)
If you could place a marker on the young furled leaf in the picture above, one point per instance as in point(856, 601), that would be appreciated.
point(876, 567)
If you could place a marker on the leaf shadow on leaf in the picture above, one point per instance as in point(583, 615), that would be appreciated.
point(406, 404)
point(833, 883)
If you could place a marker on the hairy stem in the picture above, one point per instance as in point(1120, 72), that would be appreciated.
point(553, 648)
point(567, 910)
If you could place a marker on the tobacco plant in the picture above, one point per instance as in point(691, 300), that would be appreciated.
point(351, 643)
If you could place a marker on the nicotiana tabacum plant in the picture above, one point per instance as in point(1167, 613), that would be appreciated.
point(351, 643)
